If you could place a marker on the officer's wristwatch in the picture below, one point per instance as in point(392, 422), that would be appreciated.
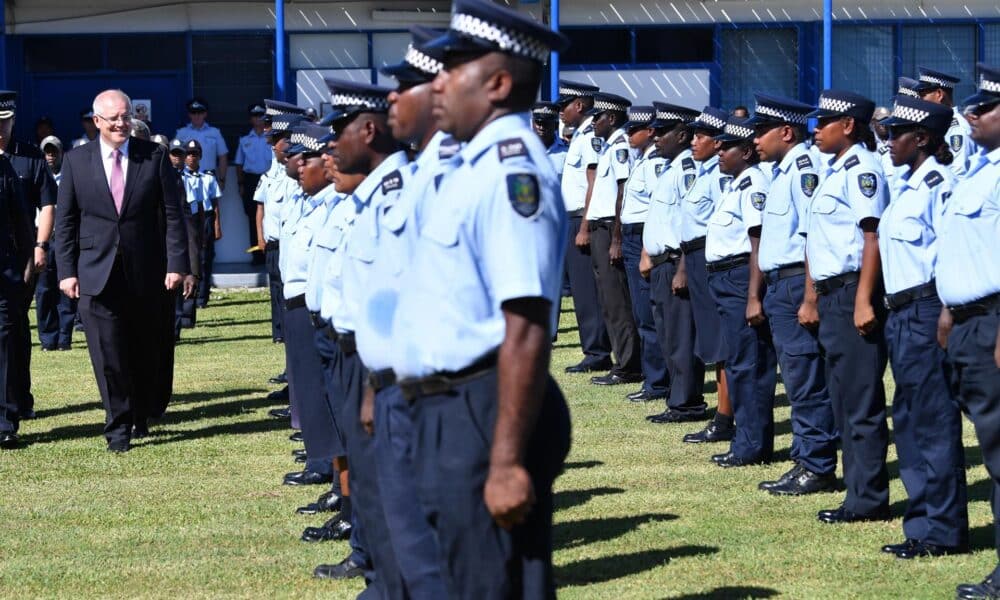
point(42, 245)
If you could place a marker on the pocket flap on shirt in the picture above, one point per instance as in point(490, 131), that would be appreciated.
point(906, 230)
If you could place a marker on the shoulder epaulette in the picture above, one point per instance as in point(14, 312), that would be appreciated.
point(803, 162)
point(391, 182)
point(747, 182)
point(687, 163)
point(933, 179)
point(512, 148)
point(852, 162)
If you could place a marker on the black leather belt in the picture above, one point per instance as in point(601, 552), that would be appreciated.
point(575, 213)
point(696, 244)
point(345, 341)
point(271, 245)
point(440, 383)
point(792, 270)
point(670, 256)
point(317, 320)
point(901, 299)
point(976, 308)
point(606, 222)
point(728, 263)
point(633, 228)
point(381, 379)
point(295, 302)
point(825, 286)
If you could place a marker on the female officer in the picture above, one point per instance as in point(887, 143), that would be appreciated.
point(843, 262)
point(925, 416)
point(731, 245)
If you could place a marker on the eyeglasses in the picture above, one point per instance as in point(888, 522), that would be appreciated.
point(119, 120)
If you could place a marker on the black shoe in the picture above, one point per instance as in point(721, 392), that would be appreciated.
point(718, 457)
point(65, 348)
point(307, 477)
point(842, 515)
point(300, 460)
point(299, 452)
point(732, 460)
point(278, 340)
point(140, 431)
point(296, 437)
point(926, 550)
point(280, 413)
point(897, 548)
point(616, 378)
point(673, 416)
point(713, 432)
point(985, 590)
point(327, 502)
point(805, 482)
point(644, 396)
point(9, 441)
point(334, 529)
point(785, 478)
point(278, 395)
point(119, 447)
point(278, 379)
point(345, 569)
point(48, 348)
point(585, 367)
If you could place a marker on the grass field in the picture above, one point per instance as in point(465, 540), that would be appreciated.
point(197, 509)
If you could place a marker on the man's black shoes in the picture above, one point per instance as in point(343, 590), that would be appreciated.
point(280, 413)
point(278, 379)
point(345, 569)
point(616, 378)
point(644, 396)
point(307, 477)
point(802, 483)
point(9, 441)
point(295, 437)
point(334, 529)
point(842, 515)
point(713, 432)
point(327, 502)
point(673, 416)
point(119, 447)
point(987, 589)
point(588, 367)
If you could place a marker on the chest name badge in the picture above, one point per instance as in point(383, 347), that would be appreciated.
point(522, 191)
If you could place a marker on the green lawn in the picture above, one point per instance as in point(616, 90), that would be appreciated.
point(197, 510)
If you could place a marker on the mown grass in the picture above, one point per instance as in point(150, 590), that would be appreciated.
point(197, 509)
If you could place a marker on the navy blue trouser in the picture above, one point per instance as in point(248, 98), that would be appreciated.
point(413, 540)
point(11, 294)
point(207, 258)
point(709, 344)
point(751, 366)
point(454, 434)
point(654, 366)
point(927, 426)
point(675, 332)
point(54, 310)
point(275, 286)
point(594, 339)
point(305, 378)
point(854, 368)
point(814, 434)
point(975, 381)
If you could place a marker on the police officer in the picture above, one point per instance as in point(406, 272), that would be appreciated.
point(545, 121)
point(671, 306)
point(732, 240)
point(843, 261)
point(17, 239)
point(635, 204)
point(926, 421)
point(603, 215)
point(935, 86)
point(575, 100)
point(90, 132)
point(203, 187)
point(214, 149)
point(780, 128)
point(54, 311)
point(472, 349)
point(968, 283)
point(253, 159)
point(699, 203)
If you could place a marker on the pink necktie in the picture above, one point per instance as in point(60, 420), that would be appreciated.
point(117, 181)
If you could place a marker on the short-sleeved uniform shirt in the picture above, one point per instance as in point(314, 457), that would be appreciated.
point(702, 198)
point(317, 260)
point(557, 152)
point(793, 185)
point(301, 243)
point(582, 152)
point(253, 153)
point(663, 221)
point(212, 144)
point(200, 189)
point(959, 139)
point(639, 187)
point(738, 211)
point(269, 192)
point(613, 165)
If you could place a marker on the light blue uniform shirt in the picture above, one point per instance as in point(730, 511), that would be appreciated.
point(738, 210)
point(663, 222)
point(330, 241)
point(200, 188)
point(376, 193)
point(254, 153)
point(270, 193)
point(853, 189)
point(888, 169)
point(968, 263)
point(318, 259)
point(557, 152)
point(396, 241)
point(291, 212)
point(793, 185)
point(583, 151)
point(496, 231)
point(907, 237)
point(613, 165)
point(640, 185)
point(700, 201)
point(959, 139)
point(300, 245)
point(212, 144)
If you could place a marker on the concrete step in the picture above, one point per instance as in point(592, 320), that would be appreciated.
point(234, 275)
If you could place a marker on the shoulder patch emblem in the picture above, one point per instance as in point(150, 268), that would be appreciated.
point(512, 148)
point(852, 162)
point(522, 191)
point(621, 155)
point(391, 182)
point(745, 183)
point(933, 179)
point(868, 184)
point(809, 183)
point(955, 142)
point(659, 168)
point(597, 144)
point(758, 199)
point(687, 163)
point(803, 162)
point(688, 181)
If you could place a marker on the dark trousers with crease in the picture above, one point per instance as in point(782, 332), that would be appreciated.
point(854, 368)
point(616, 305)
point(676, 333)
point(305, 380)
point(54, 310)
point(654, 366)
point(275, 286)
point(710, 343)
point(207, 258)
point(589, 321)
point(11, 302)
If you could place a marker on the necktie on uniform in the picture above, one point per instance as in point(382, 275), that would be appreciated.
point(117, 180)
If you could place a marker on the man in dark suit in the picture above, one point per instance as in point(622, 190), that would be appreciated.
point(113, 255)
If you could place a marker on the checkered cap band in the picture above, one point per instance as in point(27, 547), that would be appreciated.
point(369, 102)
point(280, 125)
point(298, 138)
point(422, 62)
point(937, 81)
point(988, 85)
point(712, 121)
point(507, 40)
point(643, 115)
point(740, 131)
point(274, 111)
point(603, 104)
point(669, 115)
point(783, 114)
point(312, 144)
point(908, 113)
point(836, 105)
point(8, 104)
point(571, 91)
point(545, 110)
point(905, 91)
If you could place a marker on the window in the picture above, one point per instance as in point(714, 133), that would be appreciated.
point(757, 60)
point(863, 61)
point(991, 43)
point(44, 54)
point(674, 45)
point(329, 51)
point(950, 49)
point(598, 46)
point(312, 91)
point(686, 87)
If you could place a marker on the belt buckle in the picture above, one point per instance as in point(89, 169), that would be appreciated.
point(886, 302)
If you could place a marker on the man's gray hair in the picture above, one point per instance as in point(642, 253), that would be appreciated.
point(128, 101)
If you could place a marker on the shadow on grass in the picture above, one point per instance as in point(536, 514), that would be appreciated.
point(570, 498)
point(609, 568)
point(233, 301)
point(724, 593)
point(66, 410)
point(213, 339)
point(583, 464)
point(228, 321)
point(170, 436)
point(573, 534)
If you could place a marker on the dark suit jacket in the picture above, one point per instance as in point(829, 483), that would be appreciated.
point(90, 233)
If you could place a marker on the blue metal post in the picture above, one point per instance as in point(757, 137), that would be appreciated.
point(279, 50)
point(554, 61)
point(3, 44)
point(827, 44)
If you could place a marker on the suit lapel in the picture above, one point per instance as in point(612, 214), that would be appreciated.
point(134, 164)
point(100, 178)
